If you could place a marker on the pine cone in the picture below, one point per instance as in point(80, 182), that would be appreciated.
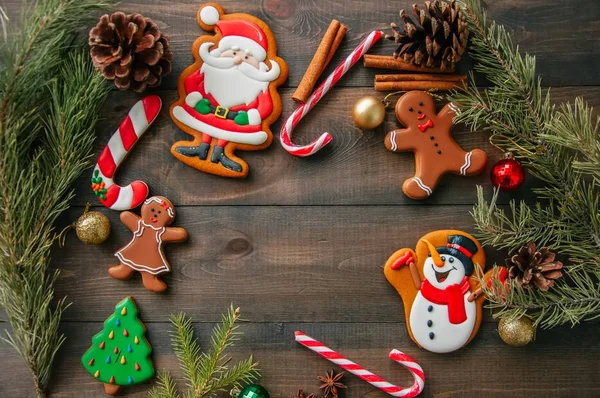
point(529, 267)
point(437, 40)
point(130, 50)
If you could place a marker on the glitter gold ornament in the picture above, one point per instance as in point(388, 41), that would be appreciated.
point(518, 332)
point(92, 227)
point(368, 112)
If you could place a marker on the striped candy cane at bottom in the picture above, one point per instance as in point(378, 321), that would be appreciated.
point(366, 375)
point(135, 124)
point(302, 110)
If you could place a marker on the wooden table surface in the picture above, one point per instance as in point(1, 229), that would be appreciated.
point(301, 243)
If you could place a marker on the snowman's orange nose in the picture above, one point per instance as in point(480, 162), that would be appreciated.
point(434, 254)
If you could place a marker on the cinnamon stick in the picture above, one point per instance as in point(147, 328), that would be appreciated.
point(389, 62)
point(418, 85)
point(419, 77)
point(327, 48)
point(336, 43)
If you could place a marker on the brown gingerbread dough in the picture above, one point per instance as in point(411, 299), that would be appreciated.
point(144, 253)
point(428, 135)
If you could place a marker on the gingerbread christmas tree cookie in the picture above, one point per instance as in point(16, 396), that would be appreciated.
point(120, 354)
point(228, 98)
point(429, 135)
point(439, 288)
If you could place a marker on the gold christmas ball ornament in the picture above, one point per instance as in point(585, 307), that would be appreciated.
point(518, 332)
point(92, 227)
point(368, 112)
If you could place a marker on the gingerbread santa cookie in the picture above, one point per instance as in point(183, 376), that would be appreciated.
point(428, 135)
point(438, 285)
point(145, 251)
point(228, 98)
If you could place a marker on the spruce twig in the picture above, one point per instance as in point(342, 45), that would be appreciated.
point(560, 148)
point(206, 373)
point(50, 96)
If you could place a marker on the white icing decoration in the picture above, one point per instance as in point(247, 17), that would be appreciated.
point(138, 118)
point(254, 117)
point(160, 202)
point(422, 185)
point(228, 42)
point(465, 167)
point(124, 199)
point(209, 15)
point(140, 267)
point(447, 337)
point(393, 141)
point(255, 138)
point(193, 98)
point(117, 150)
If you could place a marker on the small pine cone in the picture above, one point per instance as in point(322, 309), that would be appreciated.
point(530, 267)
point(130, 50)
point(437, 39)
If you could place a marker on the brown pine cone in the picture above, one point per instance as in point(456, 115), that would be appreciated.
point(130, 50)
point(530, 267)
point(437, 40)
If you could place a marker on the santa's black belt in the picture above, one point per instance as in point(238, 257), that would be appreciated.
point(223, 113)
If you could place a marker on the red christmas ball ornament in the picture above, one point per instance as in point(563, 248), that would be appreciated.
point(507, 174)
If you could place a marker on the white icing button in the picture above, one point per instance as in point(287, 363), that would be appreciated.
point(209, 15)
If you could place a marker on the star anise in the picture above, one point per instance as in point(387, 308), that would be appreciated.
point(301, 395)
point(331, 383)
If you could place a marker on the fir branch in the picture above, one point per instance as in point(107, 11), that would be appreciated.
point(50, 96)
point(166, 387)
point(559, 148)
point(206, 373)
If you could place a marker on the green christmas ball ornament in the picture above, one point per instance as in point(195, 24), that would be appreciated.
point(253, 391)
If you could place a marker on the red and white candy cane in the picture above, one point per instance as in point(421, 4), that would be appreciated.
point(364, 374)
point(138, 120)
point(332, 79)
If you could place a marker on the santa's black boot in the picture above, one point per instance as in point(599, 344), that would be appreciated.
point(219, 157)
point(191, 151)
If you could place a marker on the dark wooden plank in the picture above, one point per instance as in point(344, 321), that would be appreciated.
point(286, 264)
point(563, 58)
point(557, 365)
point(356, 169)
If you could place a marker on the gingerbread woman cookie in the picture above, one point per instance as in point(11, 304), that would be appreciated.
point(428, 135)
point(145, 251)
point(440, 290)
point(228, 98)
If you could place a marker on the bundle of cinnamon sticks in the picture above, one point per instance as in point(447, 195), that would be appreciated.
point(414, 77)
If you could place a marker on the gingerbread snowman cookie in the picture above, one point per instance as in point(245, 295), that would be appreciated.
point(439, 288)
point(228, 98)
point(428, 135)
point(144, 253)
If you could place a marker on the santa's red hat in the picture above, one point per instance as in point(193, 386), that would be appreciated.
point(236, 33)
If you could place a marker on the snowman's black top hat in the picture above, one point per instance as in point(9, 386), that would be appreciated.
point(462, 248)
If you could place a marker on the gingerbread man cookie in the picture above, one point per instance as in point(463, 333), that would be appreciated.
point(428, 135)
point(228, 98)
point(439, 287)
point(145, 251)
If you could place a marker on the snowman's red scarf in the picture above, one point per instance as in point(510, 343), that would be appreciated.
point(452, 296)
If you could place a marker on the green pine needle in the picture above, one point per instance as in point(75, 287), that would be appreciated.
point(50, 96)
point(206, 373)
point(559, 147)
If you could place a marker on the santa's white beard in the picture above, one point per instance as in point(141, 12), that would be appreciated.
point(230, 87)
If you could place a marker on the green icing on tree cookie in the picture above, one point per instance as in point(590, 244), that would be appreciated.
point(120, 353)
